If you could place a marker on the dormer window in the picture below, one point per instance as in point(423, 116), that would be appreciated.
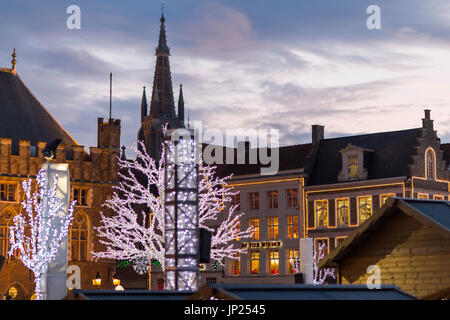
point(352, 166)
point(353, 163)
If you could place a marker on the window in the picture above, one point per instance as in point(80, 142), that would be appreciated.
point(339, 240)
point(292, 198)
point(292, 258)
point(352, 166)
point(292, 227)
point(321, 243)
point(8, 192)
point(253, 198)
point(238, 229)
point(274, 261)
point(272, 197)
point(423, 196)
point(236, 201)
point(211, 280)
point(254, 261)
point(384, 197)
point(364, 208)
point(429, 167)
point(255, 223)
point(272, 228)
point(321, 213)
point(80, 196)
point(6, 220)
point(79, 237)
point(343, 212)
point(235, 267)
point(160, 284)
point(437, 197)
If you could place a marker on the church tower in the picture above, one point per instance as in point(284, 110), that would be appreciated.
point(162, 105)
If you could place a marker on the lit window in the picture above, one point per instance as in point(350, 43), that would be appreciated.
point(364, 208)
point(80, 196)
point(6, 221)
point(255, 223)
point(292, 258)
point(273, 199)
point(238, 229)
point(79, 237)
point(12, 292)
point(320, 242)
point(236, 201)
point(253, 198)
point(321, 213)
point(423, 196)
point(8, 192)
point(342, 209)
point(352, 166)
point(272, 227)
point(292, 227)
point(274, 261)
point(384, 197)
point(430, 164)
point(254, 261)
point(235, 267)
point(292, 198)
point(437, 197)
point(339, 240)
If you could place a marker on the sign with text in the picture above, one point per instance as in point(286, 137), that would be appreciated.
point(264, 244)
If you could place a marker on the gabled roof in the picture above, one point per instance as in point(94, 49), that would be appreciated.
point(290, 158)
point(389, 156)
point(446, 148)
point(22, 116)
point(433, 213)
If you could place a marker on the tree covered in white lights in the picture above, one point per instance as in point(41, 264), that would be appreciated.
point(39, 232)
point(320, 276)
point(136, 230)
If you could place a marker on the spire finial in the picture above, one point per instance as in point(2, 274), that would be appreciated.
point(14, 62)
point(110, 95)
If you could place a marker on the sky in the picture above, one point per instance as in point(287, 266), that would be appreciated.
point(253, 64)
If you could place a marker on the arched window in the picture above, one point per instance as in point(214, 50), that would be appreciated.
point(6, 220)
point(79, 237)
point(430, 163)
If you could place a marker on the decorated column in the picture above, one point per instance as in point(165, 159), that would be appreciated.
point(181, 211)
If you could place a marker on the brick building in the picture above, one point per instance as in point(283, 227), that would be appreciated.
point(25, 128)
point(408, 240)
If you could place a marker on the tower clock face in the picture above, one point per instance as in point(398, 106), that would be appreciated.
point(141, 265)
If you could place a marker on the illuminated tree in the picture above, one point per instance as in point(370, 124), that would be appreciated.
point(38, 234)
point(319, 275)
point(136, 230)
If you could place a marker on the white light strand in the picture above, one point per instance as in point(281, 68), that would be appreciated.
point(36, 235)
point(125, 235)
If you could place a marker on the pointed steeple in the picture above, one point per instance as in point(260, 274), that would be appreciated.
point(181, 105)
point(162, 100)
point(162, 48)
point(144, 105)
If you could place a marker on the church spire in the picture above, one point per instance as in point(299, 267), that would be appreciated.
point(144, 105)
point(162, 100)
point(181, 105)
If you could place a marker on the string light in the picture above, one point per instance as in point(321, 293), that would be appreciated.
point(40, 233)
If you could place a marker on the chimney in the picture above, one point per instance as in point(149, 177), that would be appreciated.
point(427, 123)
point(317, 135)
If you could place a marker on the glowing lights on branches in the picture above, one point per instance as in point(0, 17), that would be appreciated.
point(40, 232)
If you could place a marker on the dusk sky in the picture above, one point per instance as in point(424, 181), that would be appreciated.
point(262, 64)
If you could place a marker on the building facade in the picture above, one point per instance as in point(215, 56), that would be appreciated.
point(25, 128)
